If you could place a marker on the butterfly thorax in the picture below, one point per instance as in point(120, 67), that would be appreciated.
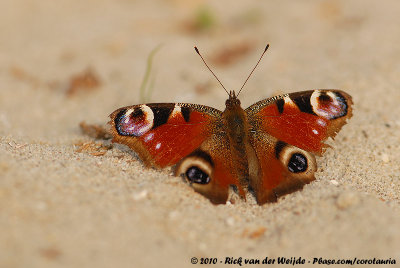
point(236, 127)
point(235, 120)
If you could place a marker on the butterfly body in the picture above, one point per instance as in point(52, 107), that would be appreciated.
point(267, 148)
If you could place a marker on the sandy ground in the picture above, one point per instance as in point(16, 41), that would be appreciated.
point(68, 200)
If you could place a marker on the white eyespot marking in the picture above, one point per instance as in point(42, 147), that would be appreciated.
point(158, 146)
point(149, 137)
point(176, 112)
point(328, 104)
point(147, 112)
point(147, 122)
point(127, 114)
point(315, 131)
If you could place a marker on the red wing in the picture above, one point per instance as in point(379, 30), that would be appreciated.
point(303, 119)
point(282, 168)
point(210, 169)
point(162, 134)
point(188, 135)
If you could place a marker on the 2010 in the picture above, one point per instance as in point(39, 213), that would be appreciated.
point(208, 260)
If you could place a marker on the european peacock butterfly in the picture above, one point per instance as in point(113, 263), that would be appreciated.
point(268, 148)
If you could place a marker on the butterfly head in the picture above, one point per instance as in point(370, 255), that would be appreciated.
point(233, 100)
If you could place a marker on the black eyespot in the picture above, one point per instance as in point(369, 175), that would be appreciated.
point(297, 163)
point(196, 175)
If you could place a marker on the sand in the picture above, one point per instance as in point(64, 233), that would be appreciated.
point(70, 200)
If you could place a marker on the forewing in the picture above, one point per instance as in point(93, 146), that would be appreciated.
point(163, 133)
point(303, 119)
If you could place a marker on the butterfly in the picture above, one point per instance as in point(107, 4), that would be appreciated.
point(268, 148)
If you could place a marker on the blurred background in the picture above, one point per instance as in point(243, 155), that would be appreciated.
point(47, 45)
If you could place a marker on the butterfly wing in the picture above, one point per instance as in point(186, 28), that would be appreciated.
point(285, 133)
point(163, 133)
point(210, 169)
point(189, 135)
point(303, 119)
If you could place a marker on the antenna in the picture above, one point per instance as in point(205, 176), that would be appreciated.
point(198, 52)
point(265, 50)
